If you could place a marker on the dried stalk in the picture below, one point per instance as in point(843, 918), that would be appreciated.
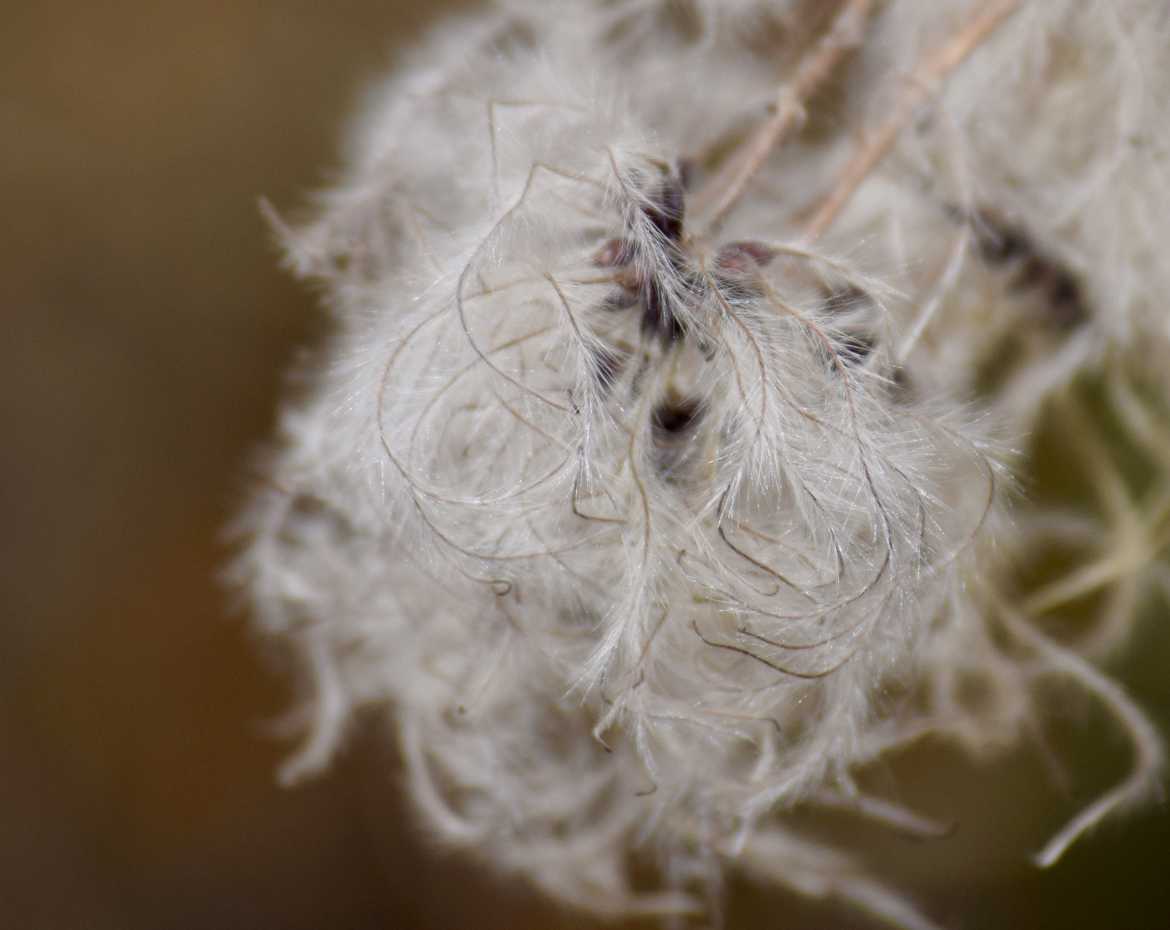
point(932, 69)
point(814, 69)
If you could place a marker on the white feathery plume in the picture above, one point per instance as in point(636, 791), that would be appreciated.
point(659, 435)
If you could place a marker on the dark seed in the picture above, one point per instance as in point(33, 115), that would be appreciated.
point(667, 209)
point(671, 425)
point(658, 316)
point(1035, 272)
point(743, 257)
point(674, 416)
point(619, 300)
point(845, 298)
point(1066, 304)
point(854, 348)
point(1000, 245)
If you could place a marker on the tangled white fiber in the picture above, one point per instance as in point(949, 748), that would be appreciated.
point(652, 476)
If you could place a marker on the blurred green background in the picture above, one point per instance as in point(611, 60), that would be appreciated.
point(145, 328)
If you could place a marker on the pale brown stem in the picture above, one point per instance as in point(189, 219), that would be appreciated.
point(728, 186)
point(932, 69)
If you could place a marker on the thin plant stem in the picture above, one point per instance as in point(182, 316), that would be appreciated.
point(815, 68)
point(934, 67)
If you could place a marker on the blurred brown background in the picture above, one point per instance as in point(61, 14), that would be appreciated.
point(145, 328)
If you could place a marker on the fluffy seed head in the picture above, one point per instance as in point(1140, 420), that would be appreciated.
point(635, 510)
